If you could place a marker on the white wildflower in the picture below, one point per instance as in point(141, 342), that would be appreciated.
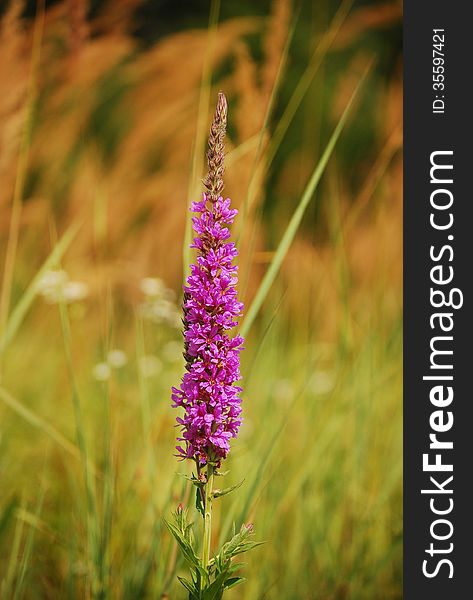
point(321, 382)
point(74, 291)
point(116, 359)
point(102, 371)
point(51, 279)
point(160, 302)
point(159, 311)
point(55, 286)
point(152, 286)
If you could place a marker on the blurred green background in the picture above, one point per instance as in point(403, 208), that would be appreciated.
point(104, 113)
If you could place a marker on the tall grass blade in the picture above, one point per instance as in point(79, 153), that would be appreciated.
point(290, 110)
point(91, 506)
point(296, 218)
point(12, 569)
point(22, 575)
point(307, 78)
point(23, 158)
point(259, 149)
point(7, 515)
point(35, 421)
point(25, 302)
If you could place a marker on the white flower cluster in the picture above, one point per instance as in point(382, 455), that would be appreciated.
point(321, 382)
point(55, 286)
point(160, 303)
point(116, 359)
point(149, 365)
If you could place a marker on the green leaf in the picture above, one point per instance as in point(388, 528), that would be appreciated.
point(223, 580)
point(7, 515)
point(233, 581)
point(219, 493)
point(246, 547)
point(220, 473)
point(239, 544)
point(234, 566)
point(186, 547)
point(194, 593)
point(188, 477)
point(192, 478)
point(216, 589)
point(198, 502)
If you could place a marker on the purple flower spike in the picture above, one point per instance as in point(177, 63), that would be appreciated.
point(208, 392)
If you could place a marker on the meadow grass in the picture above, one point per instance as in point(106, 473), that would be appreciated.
point(320, 459)
point(87, 466)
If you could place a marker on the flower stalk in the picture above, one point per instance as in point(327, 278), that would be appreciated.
point(208, 392)
point(208, 516)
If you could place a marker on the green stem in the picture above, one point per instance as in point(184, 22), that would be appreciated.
point(208, 516)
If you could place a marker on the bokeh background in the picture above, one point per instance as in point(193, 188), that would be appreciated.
point(104, 111)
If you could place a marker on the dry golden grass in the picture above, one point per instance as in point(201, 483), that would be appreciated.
point(130, 179)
